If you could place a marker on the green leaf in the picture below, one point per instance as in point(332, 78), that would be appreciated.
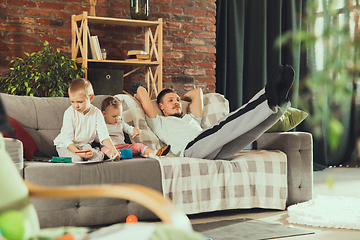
point(335, 130)
point(38, 71)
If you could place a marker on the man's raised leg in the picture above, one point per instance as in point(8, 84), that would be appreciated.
point(247, 123)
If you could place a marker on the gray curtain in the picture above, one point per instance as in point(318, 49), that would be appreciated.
point(245, 52)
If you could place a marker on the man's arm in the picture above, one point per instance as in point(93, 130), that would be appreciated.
point(196, 101)
point(146, 103)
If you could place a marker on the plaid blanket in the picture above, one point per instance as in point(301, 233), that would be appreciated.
point(253, 179)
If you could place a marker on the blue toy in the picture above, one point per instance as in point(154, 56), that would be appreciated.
point(126, 153)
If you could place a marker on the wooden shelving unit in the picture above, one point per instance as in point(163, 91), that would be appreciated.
point(153, 45)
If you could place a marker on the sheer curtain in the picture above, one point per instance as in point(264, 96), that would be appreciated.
point(334, 22)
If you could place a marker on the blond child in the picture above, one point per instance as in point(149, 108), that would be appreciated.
point(81, 123)
point(111, 108)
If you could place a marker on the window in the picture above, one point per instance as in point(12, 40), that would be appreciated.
point(336, 12)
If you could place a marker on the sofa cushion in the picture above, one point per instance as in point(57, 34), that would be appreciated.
point(44, 116)
point(98, 100)
point(291, 118)
point(41, 117)
point(216, 106)
point(134, 115)
point(29, 145)
point(91, 211)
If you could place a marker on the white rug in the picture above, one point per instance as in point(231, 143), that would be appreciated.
point(327, 211)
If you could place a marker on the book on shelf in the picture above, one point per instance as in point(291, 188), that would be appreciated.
point(139, 56)
point(137, 52)
point(91, 44)
point(137, 60)
point(97, 48)
point(94, 46)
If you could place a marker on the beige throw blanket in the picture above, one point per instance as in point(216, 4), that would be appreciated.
point(253, 179)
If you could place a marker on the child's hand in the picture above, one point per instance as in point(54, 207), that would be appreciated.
point(136, 132)
point(86, 153)
point(111, 154)
point(117, 158)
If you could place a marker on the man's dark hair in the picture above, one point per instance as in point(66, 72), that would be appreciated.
point(163, 93)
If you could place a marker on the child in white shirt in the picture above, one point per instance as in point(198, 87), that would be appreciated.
point(81, 122)
point(112, 109)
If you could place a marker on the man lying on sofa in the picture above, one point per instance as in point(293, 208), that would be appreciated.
point(231, 134)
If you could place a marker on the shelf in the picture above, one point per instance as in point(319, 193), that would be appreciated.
point(122, 22)
point(122, 62)
point(153, 43)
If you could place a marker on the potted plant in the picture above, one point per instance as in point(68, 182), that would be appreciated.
point(46, 73)
point(327, 92)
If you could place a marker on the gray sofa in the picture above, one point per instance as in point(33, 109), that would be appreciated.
point(42, 119)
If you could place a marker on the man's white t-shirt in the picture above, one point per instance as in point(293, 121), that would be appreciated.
point(174, 131)
point(80, 129)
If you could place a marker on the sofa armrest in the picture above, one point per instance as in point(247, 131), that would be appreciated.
point(298, 147)
point(14, 148)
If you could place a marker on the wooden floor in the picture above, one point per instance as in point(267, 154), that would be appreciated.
point(346, 182)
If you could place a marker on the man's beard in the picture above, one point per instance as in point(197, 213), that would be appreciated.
point(176, 114)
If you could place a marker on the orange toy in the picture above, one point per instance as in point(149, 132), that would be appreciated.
point(131, 219)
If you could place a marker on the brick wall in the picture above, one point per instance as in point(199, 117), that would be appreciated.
point(188, 32)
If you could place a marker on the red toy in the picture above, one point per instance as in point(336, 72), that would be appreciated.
point(131, 219)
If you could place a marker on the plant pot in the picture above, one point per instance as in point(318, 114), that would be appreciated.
point(139, 9)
